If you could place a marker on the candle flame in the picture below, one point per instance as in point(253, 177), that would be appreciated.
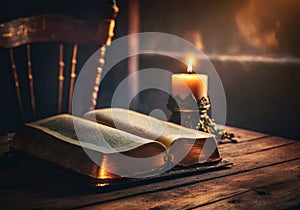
point(190, 66)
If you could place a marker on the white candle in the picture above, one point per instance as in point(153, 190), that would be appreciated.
point(184, 84)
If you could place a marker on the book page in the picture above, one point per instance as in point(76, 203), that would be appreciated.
point(91, 135)
point(144, 125)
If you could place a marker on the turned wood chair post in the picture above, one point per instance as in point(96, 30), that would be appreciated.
point(72, 77)
point(30, 78)
point(16, 80)
point(60, 78)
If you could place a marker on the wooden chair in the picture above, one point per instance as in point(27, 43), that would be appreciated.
point(59, 29)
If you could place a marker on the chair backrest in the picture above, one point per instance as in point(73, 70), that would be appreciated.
point(61, 29)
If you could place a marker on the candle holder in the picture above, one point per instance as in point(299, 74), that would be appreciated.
point(184, 113)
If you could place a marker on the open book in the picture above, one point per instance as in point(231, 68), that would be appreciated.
point(114, 143)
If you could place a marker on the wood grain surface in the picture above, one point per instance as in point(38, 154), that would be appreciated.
point(265, 175)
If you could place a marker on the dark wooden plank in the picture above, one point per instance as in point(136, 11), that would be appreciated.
point(67, 199)
point(247, 147)
point(242, 135)
point(200, 194)
point(276, 196)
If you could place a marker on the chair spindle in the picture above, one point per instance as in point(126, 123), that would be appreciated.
point(98, 77)
point(72, 77)
point(17, 84)
point(30, 78)
point(60, 78)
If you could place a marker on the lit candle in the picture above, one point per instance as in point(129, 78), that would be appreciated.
point(184, 84)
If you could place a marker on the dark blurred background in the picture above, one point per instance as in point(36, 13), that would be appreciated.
point(254, 46)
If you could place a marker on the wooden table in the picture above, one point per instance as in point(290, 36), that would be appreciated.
point(265, 175)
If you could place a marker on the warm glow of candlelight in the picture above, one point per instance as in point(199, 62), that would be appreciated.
point(102, 184)
point(190, 66)
point(102, 174)
point(184, 84)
